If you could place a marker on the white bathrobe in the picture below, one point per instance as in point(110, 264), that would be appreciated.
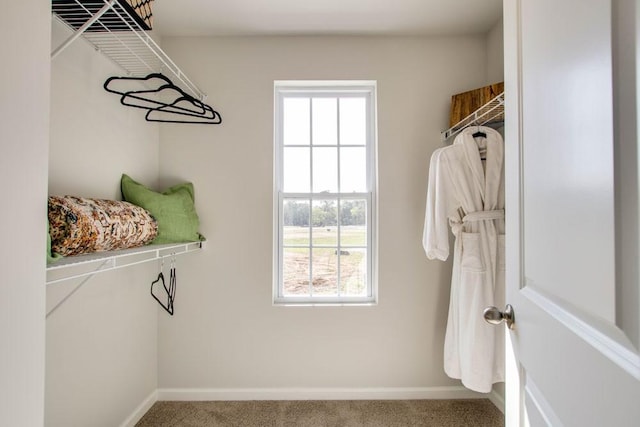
point(467, 193)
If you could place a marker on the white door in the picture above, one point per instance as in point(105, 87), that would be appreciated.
point(571, 148)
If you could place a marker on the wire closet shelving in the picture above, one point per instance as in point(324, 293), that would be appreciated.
point(113, 28)
point(110, 27)
point(491, 113)
point(88, 265)
point(78, 266)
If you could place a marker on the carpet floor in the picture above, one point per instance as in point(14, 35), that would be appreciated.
point(341, 413)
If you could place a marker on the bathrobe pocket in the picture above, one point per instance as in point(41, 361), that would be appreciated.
point(471, 259)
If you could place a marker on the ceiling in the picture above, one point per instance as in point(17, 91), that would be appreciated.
point(324, 17)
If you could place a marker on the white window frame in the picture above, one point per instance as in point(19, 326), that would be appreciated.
point(360, 88)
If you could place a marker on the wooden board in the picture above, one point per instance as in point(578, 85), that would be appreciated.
point(463, 104)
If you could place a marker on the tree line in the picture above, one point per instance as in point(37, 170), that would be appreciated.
point(324, 214)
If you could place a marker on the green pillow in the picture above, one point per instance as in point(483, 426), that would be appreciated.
point(174, 210)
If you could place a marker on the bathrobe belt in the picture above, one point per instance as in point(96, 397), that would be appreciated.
point(456, 224)
point(483, 215)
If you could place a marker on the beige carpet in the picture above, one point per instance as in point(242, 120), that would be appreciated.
point(342, 413)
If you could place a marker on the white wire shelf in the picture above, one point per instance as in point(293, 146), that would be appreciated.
point(491, 113)
point(110, 28)
point(79, 266)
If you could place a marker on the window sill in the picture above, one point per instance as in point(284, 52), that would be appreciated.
point(324, 302)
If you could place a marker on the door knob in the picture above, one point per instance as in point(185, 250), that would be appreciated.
point(495, 317)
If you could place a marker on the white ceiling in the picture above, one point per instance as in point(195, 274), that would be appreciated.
point(324, 17)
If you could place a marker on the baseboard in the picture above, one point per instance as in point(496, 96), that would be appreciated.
point(142, 409)
point(384, 393)
point(496, 399)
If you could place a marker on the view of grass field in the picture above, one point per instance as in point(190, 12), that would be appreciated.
point(349, 263)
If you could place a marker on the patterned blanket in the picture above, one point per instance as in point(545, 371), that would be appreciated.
point(80, 225)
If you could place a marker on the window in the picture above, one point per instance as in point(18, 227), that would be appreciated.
point(325, 176)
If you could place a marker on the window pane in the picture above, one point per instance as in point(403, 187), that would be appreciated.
point(325, 271)
point(296, 127)
point(295, 271)
point(325, 121)
point(353, 121)
point(324, 218)
point(325, 169)
point(353, 272)
point(353, 169)
point(324, 173)
point(296, 170)
point(295, 220)
point(353, 223)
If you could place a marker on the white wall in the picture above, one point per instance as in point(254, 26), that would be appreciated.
point(101, 344)
point(495, 53)
point(94, 139)
point(24, 135)
point(226, 333)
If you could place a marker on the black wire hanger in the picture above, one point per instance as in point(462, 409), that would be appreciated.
point(113, 81)
point(165, 114)
point(138, 98)
point(479, 132)
point(166, 294)
point(180, 105)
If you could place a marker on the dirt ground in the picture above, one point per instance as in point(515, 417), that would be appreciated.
point(325, 273)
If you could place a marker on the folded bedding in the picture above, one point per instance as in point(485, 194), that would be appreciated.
point(80, 225)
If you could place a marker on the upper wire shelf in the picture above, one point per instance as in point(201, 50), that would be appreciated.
point(490, 113)
point(111, 29)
